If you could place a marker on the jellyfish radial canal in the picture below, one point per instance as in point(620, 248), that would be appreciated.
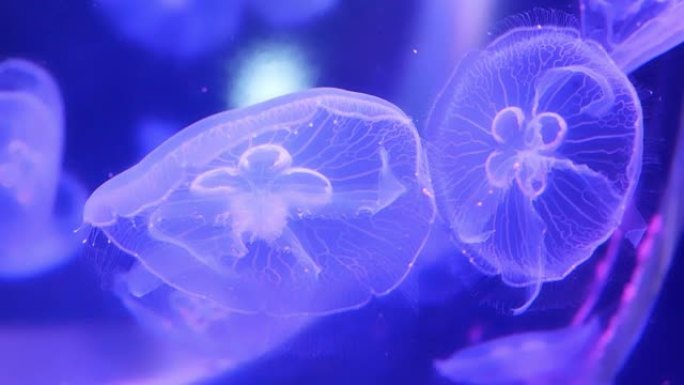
point(536, 148)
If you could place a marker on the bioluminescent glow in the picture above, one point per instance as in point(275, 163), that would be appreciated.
point(267, 71)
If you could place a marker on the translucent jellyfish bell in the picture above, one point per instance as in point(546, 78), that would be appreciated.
point(179, 28)
point(308, 203)
point(535, 148)
point(39, 208)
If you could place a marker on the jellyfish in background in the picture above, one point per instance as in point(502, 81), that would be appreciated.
point(202, 339)
point(306, 204)
point(40, 207)
point(287, 13)
point(633, 31)
point(535, 149)
point(179, 28)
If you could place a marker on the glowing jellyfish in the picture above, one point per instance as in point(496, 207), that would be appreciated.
point(39, 209)
point(526, 358)
point(633, 31)
point(285, 13)
point(594, 348)
point(179, 28)
point(535, 150)
point(203, 338)
point(309, 203)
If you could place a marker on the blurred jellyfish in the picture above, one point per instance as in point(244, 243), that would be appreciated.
point(269, 70)
point(535, 148)
point(40, 208)
point(286, 13)
point(633, 31)
point(205, 339)
point(545, 357)
point(310, 203)
point(178, 28)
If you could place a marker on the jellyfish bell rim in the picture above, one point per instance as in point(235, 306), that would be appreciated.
point(443, 102)
point(100, 211)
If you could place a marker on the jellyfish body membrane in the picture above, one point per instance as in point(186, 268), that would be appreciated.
point(177, 28)
point(535, 148)
point(633, 31)
point(198, 330)
point(39, 207)
point(309, 203)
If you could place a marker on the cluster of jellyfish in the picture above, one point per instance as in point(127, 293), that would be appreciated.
point(248, 224)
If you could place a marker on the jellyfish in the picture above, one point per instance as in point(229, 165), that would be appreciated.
point(535, 150)
point(286, 13)
point(309, 203)
point(195, 331)
point(540, 357)
point(175, 28)
point(593, 348)
point(40, 206)
point(633, 31)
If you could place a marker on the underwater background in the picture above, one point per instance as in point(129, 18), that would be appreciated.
point(122, 97)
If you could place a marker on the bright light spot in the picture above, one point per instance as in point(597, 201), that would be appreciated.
point(269, 70)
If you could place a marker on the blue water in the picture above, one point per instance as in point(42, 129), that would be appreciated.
point(111, 84)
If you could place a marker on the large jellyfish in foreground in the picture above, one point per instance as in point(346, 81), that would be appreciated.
point(535, 149)
point(309, 203)
point(40, 207)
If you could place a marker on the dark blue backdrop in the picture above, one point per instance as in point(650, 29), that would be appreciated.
point(109, 84)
